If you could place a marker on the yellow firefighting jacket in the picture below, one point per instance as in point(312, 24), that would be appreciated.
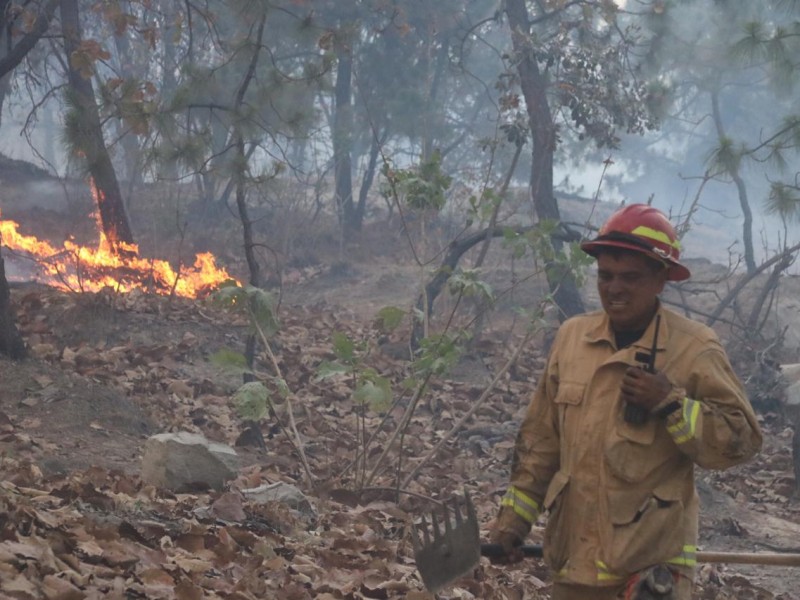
point(621, 497)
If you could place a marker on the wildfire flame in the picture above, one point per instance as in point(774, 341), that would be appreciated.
point(118, 266)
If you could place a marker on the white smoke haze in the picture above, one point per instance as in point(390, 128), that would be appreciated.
point(664, 167)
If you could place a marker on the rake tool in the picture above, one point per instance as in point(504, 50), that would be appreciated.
point(449, 549)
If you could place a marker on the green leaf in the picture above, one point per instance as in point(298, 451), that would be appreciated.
point(375, 393)
point(438, 355)
point(343, 347)
point(467, 283)
point(231, 297)
point(230, 360)
point(423, 187)
point(283, 387)
point(409, 383)
point(262, 307)
point(389, 318)
point(252, 401)
point(257, 304)
point(328, 369)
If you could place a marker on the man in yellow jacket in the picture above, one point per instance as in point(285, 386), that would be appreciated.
point(632, 398)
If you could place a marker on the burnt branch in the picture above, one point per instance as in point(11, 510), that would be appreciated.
point(455, 251)
point(736, 290)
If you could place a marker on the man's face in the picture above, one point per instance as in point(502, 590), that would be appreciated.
point(629, 284)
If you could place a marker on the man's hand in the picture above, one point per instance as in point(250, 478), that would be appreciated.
point(644, 389)
point(510, 543)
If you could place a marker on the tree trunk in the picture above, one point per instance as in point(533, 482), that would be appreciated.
point(543, 131)
point(13, 48)
point(741, 189)
point(169, 169)
point(431, 123)
point(369, 176)
point(11, 343)
point(253, 265)
point(128, 139)
point(5, 87)
point(343, 138)
point(90, 143)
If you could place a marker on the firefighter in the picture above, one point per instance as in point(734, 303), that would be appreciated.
point(633, 396)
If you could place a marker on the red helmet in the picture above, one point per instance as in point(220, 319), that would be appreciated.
point(644, 229)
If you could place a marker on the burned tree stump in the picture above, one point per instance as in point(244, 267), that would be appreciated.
point(791, 373)
point(11, 343)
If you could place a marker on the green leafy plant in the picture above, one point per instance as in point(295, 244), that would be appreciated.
point(421, 188)
point(370, 389)
point(371, 392)
point(253, 400)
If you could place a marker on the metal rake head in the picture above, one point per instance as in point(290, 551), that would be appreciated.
point(448, 550)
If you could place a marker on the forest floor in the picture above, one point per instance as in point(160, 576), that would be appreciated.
point(108, 370)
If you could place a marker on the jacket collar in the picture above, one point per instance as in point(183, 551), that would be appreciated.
point(602, 332)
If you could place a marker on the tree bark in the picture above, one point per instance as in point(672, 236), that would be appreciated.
point(543, 132)
point(90, 142)
point(129, 139)
point(343, 136)
point(11, 343)
point(14, 49)
point(241, 160)
point(168, 169)
point(369, 176)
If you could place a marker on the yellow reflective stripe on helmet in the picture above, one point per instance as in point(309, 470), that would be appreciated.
point(604, 574)
point(687, 558)
point(525, 506)
point(685, 428)
point(654, 234)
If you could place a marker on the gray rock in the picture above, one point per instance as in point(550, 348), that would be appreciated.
point(282, 493)
point(187, 462)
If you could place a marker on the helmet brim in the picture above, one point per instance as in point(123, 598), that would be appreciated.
point(675, 270)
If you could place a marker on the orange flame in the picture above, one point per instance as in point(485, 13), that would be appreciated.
point(81, 268)
point(113, 244)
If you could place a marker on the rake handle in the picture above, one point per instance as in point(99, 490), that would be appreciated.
point(785, 559)
point(496, 550)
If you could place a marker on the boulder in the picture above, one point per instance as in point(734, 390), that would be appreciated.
point(187, 462)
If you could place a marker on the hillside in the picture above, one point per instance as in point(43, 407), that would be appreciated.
point(107, 371)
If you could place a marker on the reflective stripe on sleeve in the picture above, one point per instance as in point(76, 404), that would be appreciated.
point(684, 429)
point(525, 506)
point(604, 574)
point(687, 558)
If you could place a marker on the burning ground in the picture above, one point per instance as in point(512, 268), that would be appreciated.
point(114, 265)
point(109, 369)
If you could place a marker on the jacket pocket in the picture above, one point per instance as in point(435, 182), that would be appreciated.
point(645, 531)
point(633, 451)
point(567, 400)
point(570, 393)
point(556, 543)
point(643, 434)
